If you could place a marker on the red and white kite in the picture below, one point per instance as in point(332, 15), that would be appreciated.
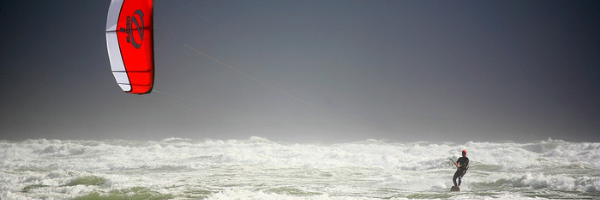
point(130, 44)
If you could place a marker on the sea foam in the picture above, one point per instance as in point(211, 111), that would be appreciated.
point(258, 168)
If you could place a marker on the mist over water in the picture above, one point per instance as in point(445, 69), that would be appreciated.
point(258, 168)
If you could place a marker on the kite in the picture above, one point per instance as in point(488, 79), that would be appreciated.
point(129, 40)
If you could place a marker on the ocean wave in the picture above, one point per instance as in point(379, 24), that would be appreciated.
point(264, 169)
point(537, 181)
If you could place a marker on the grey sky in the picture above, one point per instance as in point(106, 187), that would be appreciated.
point(312, 71)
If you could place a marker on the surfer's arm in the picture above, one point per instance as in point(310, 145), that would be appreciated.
point(457, 166)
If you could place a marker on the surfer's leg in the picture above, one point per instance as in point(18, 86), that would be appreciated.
point(454, 178)
point(462, 173)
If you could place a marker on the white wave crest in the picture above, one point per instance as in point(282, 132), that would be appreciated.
point(262, 169)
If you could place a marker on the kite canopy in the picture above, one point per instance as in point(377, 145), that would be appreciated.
point(130, 44)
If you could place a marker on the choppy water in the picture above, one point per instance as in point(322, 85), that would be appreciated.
point(261, 169)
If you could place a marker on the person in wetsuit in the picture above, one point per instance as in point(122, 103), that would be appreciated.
point(462, 165)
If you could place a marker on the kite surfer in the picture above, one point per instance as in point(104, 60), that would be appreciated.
point(462, 165)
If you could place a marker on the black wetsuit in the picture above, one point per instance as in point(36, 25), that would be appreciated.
point(463, 162)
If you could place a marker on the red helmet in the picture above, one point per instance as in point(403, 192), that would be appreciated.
point(464, 151)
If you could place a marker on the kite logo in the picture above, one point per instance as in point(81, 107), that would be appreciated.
point(138, 20)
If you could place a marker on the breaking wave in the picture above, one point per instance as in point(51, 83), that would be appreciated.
point(258, 168)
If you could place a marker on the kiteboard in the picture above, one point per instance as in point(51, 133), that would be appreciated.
point(454, 189)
